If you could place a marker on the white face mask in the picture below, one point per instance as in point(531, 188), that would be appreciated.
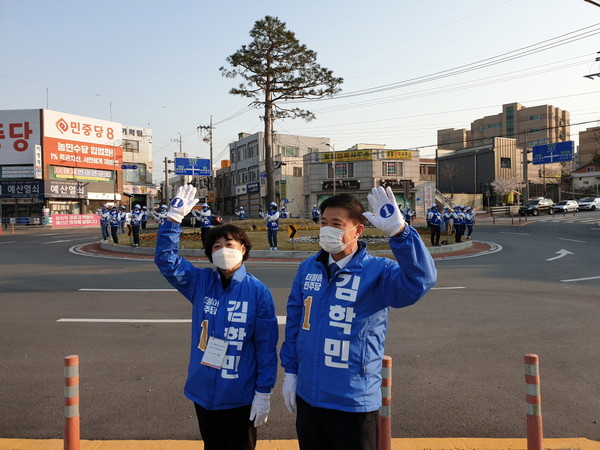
point(227, 258)
point(330, 239)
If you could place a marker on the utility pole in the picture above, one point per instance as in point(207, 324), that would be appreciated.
point(209, 138)
point(166, 190)
point(525, 171)
point(334, 168)
point(179, 141)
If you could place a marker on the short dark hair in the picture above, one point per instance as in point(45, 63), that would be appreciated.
point(349, 203)
point(227, 231)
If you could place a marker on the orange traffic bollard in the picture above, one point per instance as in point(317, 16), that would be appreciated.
point(385, 412)
point(71, 431)
point(535, 432)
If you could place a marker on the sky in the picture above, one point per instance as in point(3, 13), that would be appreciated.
point(156, 64)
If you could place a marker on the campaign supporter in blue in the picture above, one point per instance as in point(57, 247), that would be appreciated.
point(435, 223)
point(241, 213)
point(114, 221)
point(161, 215)
point(272, 221)
point(122, 218)
point(144, 217)
point(104, 214)
point(284, 214)
point(407, 214)
point(469, 221)
point(427, 216)
point(233, 355)
point(458, 223)
point(336, 323)
point(446, 217)
point(315, 214)
point(135, 222)
point(203, 217)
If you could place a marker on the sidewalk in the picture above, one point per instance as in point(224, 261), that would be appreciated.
point(397, 444)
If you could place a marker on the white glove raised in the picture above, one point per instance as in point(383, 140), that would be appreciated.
point(386, 215)
point(290, 381)
point(261, 405)
point(183, 203)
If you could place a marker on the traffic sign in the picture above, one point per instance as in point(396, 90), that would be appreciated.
point(292, 231)
point(553, 153)
point(128, 167)
point(192, 166)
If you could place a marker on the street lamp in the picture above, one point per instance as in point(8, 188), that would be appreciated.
point(334, 168)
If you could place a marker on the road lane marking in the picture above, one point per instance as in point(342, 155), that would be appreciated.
point(7, 242)
point(125, 290)
point(280, 320)
point(518, 234)
point(580, 279)
point(64, 240)
point(561, 253)
point(571, 240)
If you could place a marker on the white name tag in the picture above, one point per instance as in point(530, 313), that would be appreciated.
point(215, 353)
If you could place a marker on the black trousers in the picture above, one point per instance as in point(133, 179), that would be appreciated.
point(329, 429)
point(135, 229)
point(435, 234)
point(272, 236)
point(226, 429)
point(113, 233)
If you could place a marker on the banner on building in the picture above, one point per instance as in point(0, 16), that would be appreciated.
point(76, 141)
point(19, 134)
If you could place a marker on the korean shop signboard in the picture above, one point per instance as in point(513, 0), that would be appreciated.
point(19, 134)
point(77, 141)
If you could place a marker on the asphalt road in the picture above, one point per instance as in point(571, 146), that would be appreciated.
point(458, 353)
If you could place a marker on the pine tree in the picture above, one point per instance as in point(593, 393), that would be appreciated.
point(275, 67)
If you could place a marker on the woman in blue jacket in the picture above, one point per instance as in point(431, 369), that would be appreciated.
point(233, 355)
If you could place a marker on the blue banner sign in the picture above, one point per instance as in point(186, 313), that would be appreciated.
point(128, 167)
point(553, 153)
point(192, 166)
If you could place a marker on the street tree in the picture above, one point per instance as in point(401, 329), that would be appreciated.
point(507, 185)
point(275, 67)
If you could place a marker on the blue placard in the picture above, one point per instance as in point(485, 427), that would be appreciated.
point(192, 166)
point(553, 153)
point(128, 167)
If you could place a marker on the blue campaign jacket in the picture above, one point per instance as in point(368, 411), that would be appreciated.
point(335, 331)
point(273, 220)
point(243, 314)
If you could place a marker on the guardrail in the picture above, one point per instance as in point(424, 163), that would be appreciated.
point(504, 210)
point(20, 221)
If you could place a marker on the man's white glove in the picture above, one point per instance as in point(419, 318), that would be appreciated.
point(261, 405)
point(290, 380)
point(183, 203)
point(386, 215)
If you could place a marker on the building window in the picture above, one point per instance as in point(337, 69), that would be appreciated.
point(586, 182)
point(137, 176)
point(344, 170)
point(495, 125)
point(297, 171)
point(253, 175)
point(590, 169)
point(535, 117)
point(389, 168)
point(252, 150)
point(505, 163)
point(131, 146)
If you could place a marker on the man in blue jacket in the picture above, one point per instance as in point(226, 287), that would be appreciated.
point(233, 355)
point(336, 322)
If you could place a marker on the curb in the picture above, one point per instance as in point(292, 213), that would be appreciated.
point(397, 444)
point(278, 254)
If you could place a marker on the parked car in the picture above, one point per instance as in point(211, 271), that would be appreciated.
point(565, 206)
point(535, 206)
point(589, 203)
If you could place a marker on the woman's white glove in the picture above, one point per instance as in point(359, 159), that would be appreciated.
point(183, 203)
point(261, 405)
point(386, 215)
point(290, 381)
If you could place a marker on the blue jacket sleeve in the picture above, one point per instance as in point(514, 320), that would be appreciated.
point(289, 358)
point(414, 274)
point(181, 274)
point(266, 334)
